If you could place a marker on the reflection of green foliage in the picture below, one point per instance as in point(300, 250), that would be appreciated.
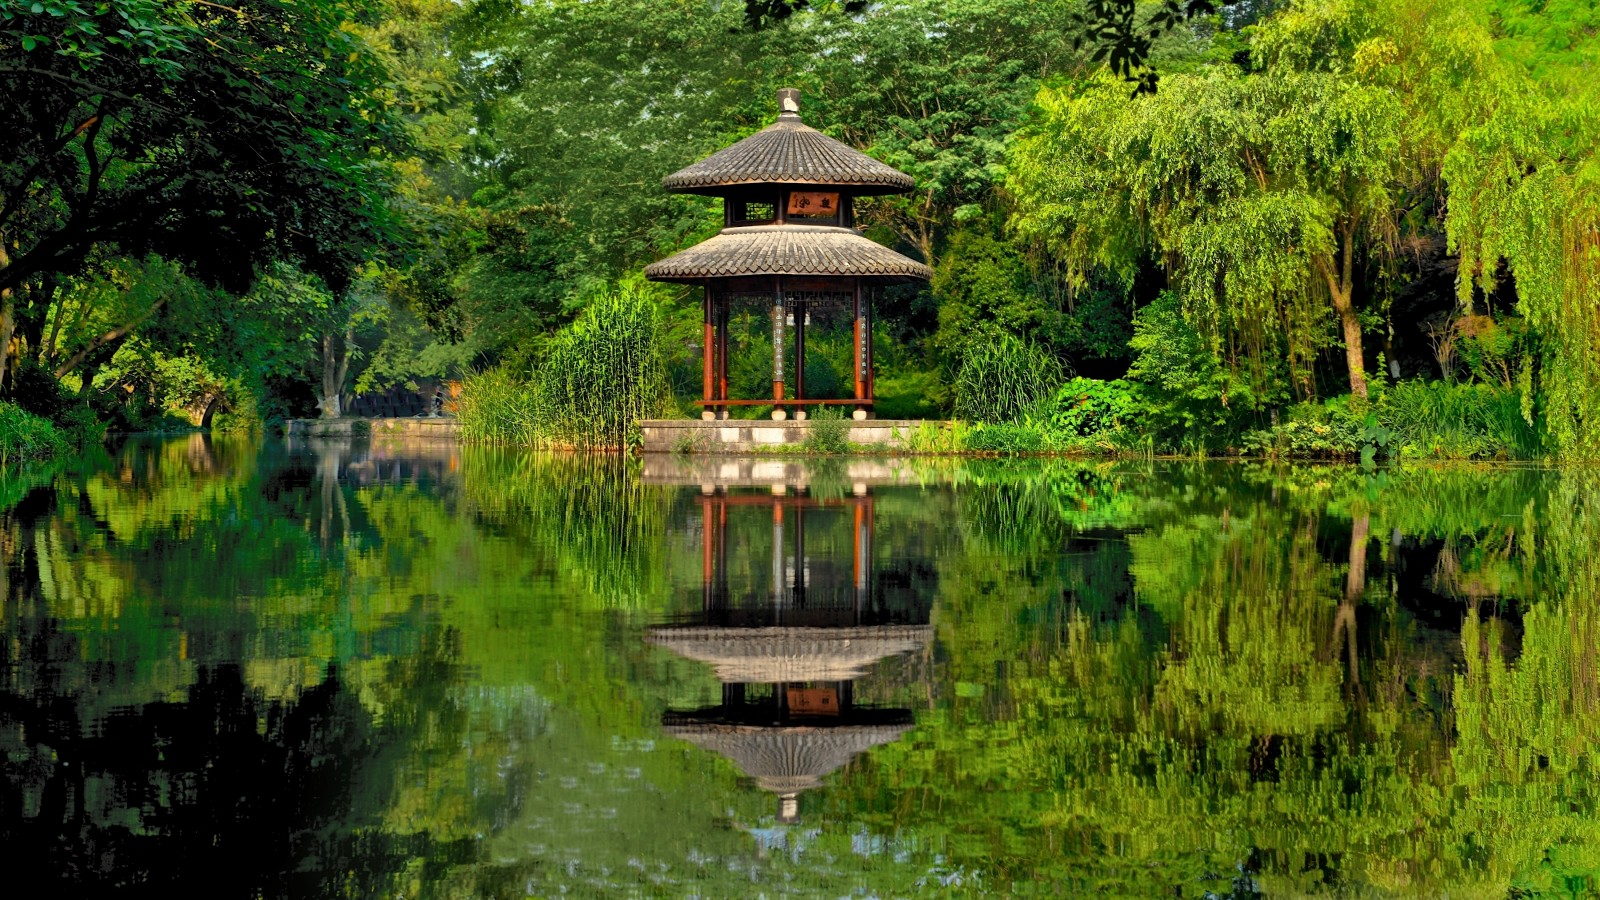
point(1149, 677)
point(602, 528)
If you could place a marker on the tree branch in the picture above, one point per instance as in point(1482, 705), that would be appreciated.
point(115, 334)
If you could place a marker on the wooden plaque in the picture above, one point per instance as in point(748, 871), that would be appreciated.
point(814, 701)
point(813, 203)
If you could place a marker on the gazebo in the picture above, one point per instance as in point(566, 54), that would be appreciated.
point(789, 246)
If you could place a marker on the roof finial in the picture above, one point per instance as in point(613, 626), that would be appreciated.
point(789, 102)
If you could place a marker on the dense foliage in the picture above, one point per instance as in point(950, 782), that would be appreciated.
point(1312, 200)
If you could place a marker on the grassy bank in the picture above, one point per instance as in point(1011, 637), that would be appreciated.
point(25, 437)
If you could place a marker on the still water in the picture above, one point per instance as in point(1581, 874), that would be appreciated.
point(269, 670)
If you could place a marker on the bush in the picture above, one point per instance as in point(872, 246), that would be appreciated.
point(497, 407)
point(603, 373)
point(1002, 378)
point(1194, 400)
point(829, 432)
point(36, 389)
point(1311, 431)
point(25, 436)
point(1088, 408)
point(599, 376)
point(936, 437)
point(1415, 418)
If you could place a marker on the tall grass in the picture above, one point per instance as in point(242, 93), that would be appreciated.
point(829, 433)
point(599, 377)
point(498, 408)
point(604, 372)
point(1463, 421)
point(25, 436)
point(1003, 377)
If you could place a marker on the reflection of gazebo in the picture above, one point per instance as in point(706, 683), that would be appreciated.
point(789, 248)
point(788, 654)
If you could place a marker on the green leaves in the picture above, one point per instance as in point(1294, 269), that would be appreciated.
point(1248, 186)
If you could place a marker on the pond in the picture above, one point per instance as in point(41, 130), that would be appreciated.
point(425, 670)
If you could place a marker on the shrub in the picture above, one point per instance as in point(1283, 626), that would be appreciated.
point(599, 376)
point(497, 407)
point(1309, 431)
point(828, 433)
point(36, 389)
point(1194, 400)
point(1002, 378)
point(1004, 439)
point(907, 394)
point(937, 437)
point(25, 436)
point(1094, 409)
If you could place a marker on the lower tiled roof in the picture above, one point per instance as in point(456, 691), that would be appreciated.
point(787, 250)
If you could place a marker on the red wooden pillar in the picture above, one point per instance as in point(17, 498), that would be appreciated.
point(708, 536)
point(858, 339)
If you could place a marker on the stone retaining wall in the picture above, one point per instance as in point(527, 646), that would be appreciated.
point(442, 427)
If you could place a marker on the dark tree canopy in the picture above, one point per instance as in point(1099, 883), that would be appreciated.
point(218, 134)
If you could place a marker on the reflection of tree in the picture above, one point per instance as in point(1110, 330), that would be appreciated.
point(1143, 680)
point(282, 798)
point(168, 623)
point(1252, 708)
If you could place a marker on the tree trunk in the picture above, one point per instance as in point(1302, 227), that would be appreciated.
point(1341, 288)
point(32, 324)
point(8, 324)
point(328, 402)
point(335, 367)
point(1350, 323)
point(1355, 584)
point(8, 321)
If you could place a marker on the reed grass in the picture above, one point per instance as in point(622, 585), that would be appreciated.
point(1002, 378)
point(598, 378)
point(604, 373)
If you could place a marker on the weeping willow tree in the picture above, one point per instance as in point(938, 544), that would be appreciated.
point(1265, 192)
point(1524, 188)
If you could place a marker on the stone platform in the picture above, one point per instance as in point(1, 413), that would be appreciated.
point(745, 435)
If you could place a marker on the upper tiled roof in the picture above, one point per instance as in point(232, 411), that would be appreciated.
point(787, 250)
point(788, 152)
